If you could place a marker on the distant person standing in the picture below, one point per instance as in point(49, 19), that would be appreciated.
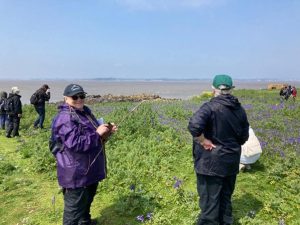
point(3, 114)
point(41, 96)
point(219, 128)
point(288, 92)
point(294, 93)
point(14, 111)
point(282, 93)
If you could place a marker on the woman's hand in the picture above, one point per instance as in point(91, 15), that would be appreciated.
point(105, 130)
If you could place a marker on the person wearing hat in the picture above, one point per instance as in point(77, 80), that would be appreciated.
point(14, 111)
point(77, 142)
point(219, 128)
point(42, 95)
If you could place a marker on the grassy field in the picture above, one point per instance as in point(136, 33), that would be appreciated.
point(150, 167)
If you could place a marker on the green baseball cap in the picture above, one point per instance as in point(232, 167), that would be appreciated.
point(222, 82)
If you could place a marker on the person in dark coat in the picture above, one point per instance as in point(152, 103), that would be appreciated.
point(78, 145)
point(14, 113)
point(43, 95)
point(219, 128)
point(3, 114)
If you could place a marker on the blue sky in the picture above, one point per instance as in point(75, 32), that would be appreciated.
point(256, 39)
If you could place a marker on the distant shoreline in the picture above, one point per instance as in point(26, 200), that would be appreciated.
point(183, 89)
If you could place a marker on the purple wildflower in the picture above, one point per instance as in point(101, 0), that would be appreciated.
point(140, 218)
point(149, 216)
point(281, 153)
point(177, 183)
point(248, 106)
point(263, 144)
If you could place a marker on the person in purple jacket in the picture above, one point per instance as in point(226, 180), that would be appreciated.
point(78, 141)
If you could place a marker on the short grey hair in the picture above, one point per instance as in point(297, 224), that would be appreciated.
point(218, 92)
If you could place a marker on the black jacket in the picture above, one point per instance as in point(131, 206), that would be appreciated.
point(42, 96)
point(17, 104)
point(223, 121)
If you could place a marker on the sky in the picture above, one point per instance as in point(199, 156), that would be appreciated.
point(149, 39)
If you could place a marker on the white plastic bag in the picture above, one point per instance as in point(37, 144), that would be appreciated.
point(251, 150)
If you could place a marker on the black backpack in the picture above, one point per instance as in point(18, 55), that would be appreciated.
point(8, 105)
point(34, 99)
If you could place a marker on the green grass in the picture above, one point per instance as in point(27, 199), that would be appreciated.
point(150, 151)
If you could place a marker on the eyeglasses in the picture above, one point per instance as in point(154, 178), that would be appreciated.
point(75, 97)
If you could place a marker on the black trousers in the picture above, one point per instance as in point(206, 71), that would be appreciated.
point(77, 204)
point(13, 124)
point(215, 199)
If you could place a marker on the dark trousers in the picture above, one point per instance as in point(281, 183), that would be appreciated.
point(77, 204)
point(215, 199)
point(13, 125)
point(2, 120)
point(41, 116)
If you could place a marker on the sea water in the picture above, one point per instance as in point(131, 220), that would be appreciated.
point(179, 89)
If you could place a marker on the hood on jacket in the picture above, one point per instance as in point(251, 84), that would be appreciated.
point(227, 100)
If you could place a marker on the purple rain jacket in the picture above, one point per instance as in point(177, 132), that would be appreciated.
point(223, 121)
point(81, 160)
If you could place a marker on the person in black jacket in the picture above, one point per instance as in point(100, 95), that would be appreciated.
point(219, 128)
point(3, 114)
point(43, 95)
point(14, 112)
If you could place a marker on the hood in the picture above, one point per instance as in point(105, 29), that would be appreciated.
point(227, 100)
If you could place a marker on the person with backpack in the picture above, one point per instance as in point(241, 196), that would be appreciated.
point(77, 142)
point(3, 114)
point(38, 99)
point(14, 111)
point(218, 128)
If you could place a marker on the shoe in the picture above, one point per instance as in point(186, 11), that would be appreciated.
point(242, 167)
point(8, 136)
